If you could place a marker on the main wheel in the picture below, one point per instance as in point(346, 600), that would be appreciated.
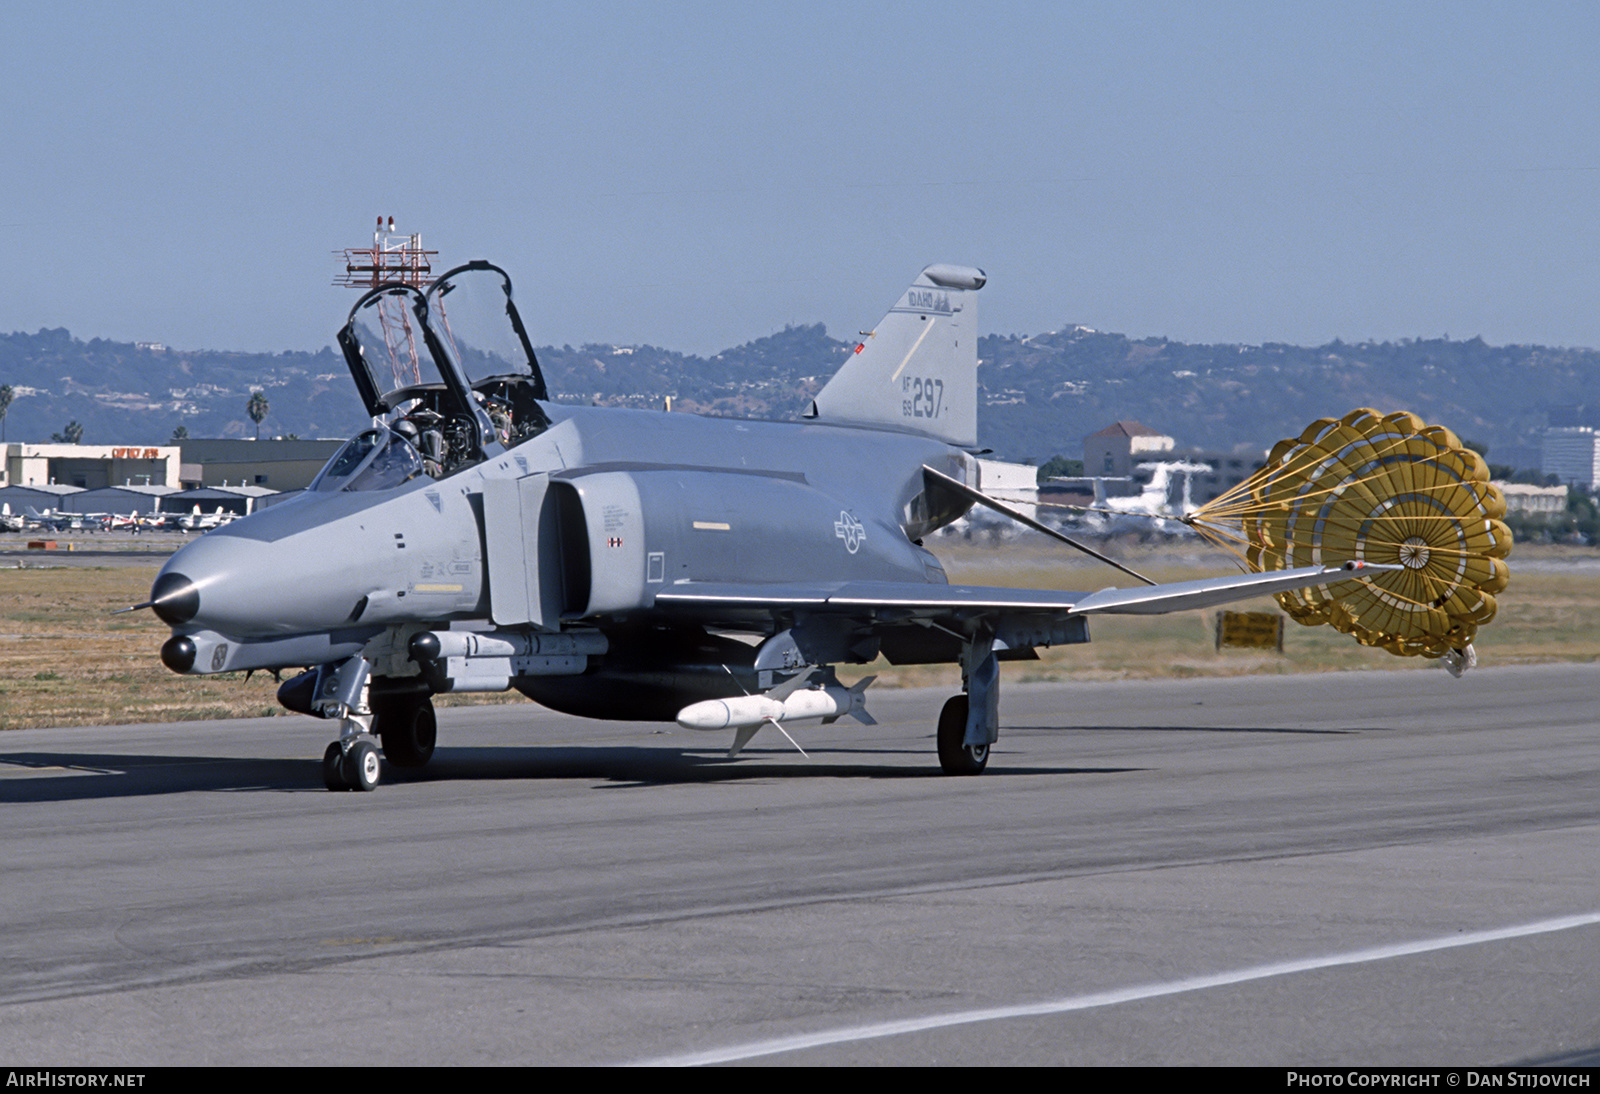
point(408, 729)
point(361, 766)
point(956, 757)
point(333, 768)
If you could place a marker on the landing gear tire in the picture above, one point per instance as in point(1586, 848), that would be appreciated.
point(333, 768)
point(361, 766)
point(408, 730)
point(955, 757)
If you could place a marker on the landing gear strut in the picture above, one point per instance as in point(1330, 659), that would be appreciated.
point(970, 722)
point(339, 691)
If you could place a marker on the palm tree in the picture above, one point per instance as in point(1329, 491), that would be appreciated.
point(257, 409)
point(5, 404)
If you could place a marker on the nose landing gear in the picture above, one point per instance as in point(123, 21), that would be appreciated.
point(352, 766)
point(407, 730)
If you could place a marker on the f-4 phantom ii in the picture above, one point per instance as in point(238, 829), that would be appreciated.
point(607, 562)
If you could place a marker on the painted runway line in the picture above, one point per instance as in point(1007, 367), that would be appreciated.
point(874, 1031)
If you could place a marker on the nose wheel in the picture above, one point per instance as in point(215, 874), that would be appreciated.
point(354, 768)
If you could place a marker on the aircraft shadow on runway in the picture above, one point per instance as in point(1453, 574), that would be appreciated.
point(69, 776)
point(665, 766)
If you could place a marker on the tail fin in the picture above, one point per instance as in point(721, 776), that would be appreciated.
point(918, 370)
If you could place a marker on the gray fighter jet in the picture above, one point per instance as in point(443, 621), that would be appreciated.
point(621, 563)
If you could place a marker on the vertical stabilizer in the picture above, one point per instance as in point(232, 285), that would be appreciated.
point(918, 371)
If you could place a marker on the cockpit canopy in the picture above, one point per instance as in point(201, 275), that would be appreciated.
point(479, 327)
point(451, 368)
point(374, 459)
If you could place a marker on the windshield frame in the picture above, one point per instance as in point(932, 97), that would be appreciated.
point(527, 371)
point(377, 458)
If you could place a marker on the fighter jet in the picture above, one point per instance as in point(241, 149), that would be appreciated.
point(627, 564)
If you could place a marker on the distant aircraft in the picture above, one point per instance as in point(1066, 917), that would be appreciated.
point(55, 520)
point(1150, 510)
point(133, 523)
point(607, 562)
point(196, 521)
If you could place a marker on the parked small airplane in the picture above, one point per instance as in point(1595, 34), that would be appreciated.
point(57, 520)
point(607, 562)
point(132, 523)
point(196, 521)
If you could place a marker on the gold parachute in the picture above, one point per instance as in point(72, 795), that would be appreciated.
point(1377, 489)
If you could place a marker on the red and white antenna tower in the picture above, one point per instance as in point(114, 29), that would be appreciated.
point(392, 259)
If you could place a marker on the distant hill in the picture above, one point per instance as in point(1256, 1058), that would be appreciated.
point(1077, 380)
point(1041, 394)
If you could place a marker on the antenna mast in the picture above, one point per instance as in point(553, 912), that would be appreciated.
point(393, 259)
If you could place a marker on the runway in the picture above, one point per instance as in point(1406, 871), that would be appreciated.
point(1376, 868)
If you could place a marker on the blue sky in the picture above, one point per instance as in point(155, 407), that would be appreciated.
point(695, 175)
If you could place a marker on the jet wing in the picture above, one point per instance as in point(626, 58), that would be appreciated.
point(907, 601)
point(1209, 592)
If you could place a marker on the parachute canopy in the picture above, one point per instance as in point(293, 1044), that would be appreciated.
point(1376, 489)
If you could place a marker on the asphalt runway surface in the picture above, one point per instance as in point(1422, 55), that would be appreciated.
point(1382, 868)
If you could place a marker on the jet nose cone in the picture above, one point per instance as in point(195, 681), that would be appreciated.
point(175, 599)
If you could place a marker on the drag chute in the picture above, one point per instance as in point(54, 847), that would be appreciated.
point(1376, 489)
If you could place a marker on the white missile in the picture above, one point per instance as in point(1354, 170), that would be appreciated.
point(752, 711)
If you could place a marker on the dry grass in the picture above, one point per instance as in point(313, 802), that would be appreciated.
point(66, 660)
point(1548, 613)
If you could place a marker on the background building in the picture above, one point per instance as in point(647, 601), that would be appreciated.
point(89, 466)
point(1572, 453)
point(1119, 447)
point(120, 499)
point(1529, 500)
point(277, 465)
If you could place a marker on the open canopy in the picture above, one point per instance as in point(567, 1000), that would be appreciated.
point(451, 367)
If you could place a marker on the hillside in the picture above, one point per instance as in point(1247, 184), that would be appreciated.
point(1040, 394)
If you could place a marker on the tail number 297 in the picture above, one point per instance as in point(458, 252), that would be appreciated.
point(925, 397)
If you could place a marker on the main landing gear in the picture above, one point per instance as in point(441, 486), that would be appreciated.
point(957, 757)
point(407, 727)
point(970, 722)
